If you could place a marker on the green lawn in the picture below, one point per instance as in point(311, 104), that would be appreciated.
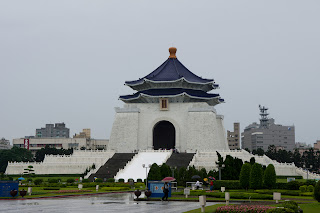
point(310, 207)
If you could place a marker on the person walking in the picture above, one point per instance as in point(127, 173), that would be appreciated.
point(197, 185)
point(211, 185)
point(165, 191)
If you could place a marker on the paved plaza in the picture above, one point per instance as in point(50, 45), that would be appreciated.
point(102, 203)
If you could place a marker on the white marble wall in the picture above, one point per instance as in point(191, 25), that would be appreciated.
point(63, 164)
point(196, 124)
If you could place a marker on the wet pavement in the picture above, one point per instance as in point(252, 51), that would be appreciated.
point(96, 203)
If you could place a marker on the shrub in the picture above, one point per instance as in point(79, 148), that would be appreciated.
point(51, 188)
point(121, 180)
point(110, 180)
point(245, 176)
point(243, 208)
point(29, 179)
point(303, 188)
point(70, 180)
point(99, 180)
point(38, 181)
point(139, 180)
point(115, 188)
point(311, 182)
point(290, 205)
point(229, 184)
point(281, 185)
point(316, 192)
point(310, 188)
point(293, 185)
point(280, 210)
point(85, 181)
point(270, 177)
point(139, 185)
point(256, 176)
point(53, 180)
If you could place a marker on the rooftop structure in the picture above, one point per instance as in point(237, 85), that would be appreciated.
point(174, 81)
point(268, 133)
point(86, 133)
point(233, 137)
point(57, 130)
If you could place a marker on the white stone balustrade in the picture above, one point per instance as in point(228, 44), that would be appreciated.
point(76, 163)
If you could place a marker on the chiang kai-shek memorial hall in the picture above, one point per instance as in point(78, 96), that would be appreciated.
point(172, 109)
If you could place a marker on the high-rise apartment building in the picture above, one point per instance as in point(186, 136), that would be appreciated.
point(57, 130)
point(234, 137)
point(268, 133)
point(5, 144)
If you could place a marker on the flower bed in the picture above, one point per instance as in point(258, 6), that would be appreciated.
point(243, 208)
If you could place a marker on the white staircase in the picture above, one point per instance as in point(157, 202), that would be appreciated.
point(134, 168)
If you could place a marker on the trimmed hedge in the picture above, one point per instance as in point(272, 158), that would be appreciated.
point(283, 192)
point(110, 180)
point(115, 188)
point(51, 188)
point(229, 184)
point(285, 177)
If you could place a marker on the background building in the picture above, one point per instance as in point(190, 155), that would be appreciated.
point(317, 145)
point(57, 130)
point(86, 133)
point(234, 137)
point(5, 144)
point(36, 144)
point(268, 133)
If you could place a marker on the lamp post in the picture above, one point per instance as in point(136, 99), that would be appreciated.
point(146, 167)
point(220, 167)
point(304, 166)
point(172, 169)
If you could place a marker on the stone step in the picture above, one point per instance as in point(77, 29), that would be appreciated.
point(180, 160)
point(112, 166)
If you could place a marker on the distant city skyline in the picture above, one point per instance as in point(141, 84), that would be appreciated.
point(68, 62)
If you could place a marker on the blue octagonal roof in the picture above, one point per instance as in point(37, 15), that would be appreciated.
point(171, 70)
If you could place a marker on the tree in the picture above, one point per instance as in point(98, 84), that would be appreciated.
point(252, 161)
point(182, 176)
point(316, 192)
point(256, 176)
point(165, 171)
point(29, 171)
point(154, 172)
point(270, 177)
point(40, 154)
point(14, 154)
point(245, 176)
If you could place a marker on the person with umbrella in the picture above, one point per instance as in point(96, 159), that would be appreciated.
point(165, 191)
point(166, 187)
point(211, 182)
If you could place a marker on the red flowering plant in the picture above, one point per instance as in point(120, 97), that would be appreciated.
point(243, 208)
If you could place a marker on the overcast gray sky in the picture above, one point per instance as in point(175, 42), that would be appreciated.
point(66, 61)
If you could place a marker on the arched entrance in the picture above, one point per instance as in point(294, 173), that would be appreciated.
point(164, 135)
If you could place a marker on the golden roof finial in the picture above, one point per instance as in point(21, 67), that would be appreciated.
point(172, 51)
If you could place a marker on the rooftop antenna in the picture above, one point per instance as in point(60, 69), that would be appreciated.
point(264, 116)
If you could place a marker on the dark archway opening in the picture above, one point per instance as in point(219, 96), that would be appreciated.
point(164, 135)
